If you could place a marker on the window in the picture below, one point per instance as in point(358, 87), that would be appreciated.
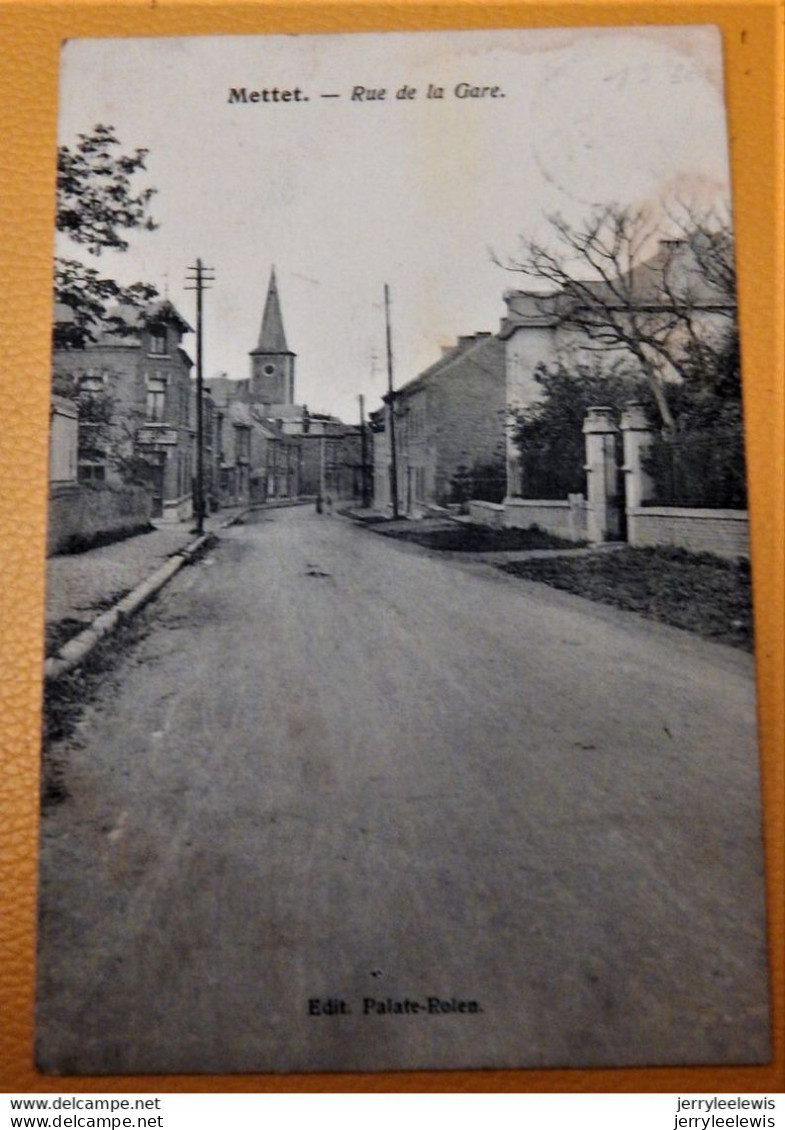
point(417, 422)
point(269, 369)
point(156, 398)
point(93, 381)
point(92, 473)
point(242, 443)
point(158, 339)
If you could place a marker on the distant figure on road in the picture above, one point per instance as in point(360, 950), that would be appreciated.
point(318, 504)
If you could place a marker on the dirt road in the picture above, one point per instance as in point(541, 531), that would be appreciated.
point(340, 770)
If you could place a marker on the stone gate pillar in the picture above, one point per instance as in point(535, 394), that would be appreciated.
point(603, 516)
point(637, 434)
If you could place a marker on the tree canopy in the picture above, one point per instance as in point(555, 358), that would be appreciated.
point(549, 433)
point(98, 202)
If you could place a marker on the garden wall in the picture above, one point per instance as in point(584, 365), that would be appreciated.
point(80, 516)
point(487, 514)
point(565, 519)
point(725, 533)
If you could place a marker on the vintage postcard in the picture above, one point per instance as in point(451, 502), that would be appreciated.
point(399, 691)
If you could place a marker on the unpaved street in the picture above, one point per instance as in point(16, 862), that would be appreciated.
point(339, 769)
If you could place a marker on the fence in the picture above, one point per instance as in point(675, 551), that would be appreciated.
point(701, 477)
point(698, 470)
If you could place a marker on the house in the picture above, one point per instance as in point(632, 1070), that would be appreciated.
point(276, 472)
point(132, 385)
point(212, 436)
point(258, 460)
point(332, 458)
point(449, 425)
point(667, 299)
point(234, 464)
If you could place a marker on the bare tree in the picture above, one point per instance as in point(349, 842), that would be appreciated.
point(628, 291)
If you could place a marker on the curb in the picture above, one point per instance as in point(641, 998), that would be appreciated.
point(76, 650)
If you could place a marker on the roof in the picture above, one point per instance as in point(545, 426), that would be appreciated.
point(124, 314)
point(272, 338)
point(224, 389)
point(283, 411)
point(672, 274)
point(467, 346)
point(238, 412)
point(270, 427)
point(676, 268)
point(165, 311)
point(242, 414)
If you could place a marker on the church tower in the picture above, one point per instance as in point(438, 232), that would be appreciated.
point(272, 362)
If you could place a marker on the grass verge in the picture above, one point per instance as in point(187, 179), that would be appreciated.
point(66, 697)
point(701, 593)
point(59, 632)
point(464, 537)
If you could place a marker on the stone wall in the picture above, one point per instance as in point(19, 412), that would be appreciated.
point(566, 519)
point(725, 533)
point(81, 516)
point(487, 514)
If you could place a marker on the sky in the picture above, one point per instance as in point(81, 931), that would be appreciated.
point(344, 195)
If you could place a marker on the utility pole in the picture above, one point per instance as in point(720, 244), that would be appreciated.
point(393, 453)
point(199, 276)
point(366, 499)
point(322, 484)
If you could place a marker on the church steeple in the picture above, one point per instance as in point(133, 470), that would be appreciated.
point(272, 338)
point(272, 362)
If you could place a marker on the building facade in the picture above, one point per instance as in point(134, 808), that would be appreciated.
point(133, 390)
point(332, 458)
point(449, 425)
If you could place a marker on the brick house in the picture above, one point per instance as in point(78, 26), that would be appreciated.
point(135, 397)
point(449, 422)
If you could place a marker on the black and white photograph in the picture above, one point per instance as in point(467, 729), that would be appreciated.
point(399, 699)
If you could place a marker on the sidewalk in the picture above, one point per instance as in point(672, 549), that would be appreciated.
point(78, 585)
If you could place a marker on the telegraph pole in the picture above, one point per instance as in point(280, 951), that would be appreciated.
point(393, 453)
point(322, 453)
point(366, 501)
point(200, 276)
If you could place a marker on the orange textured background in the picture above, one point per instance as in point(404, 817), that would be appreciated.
point(30, 37)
